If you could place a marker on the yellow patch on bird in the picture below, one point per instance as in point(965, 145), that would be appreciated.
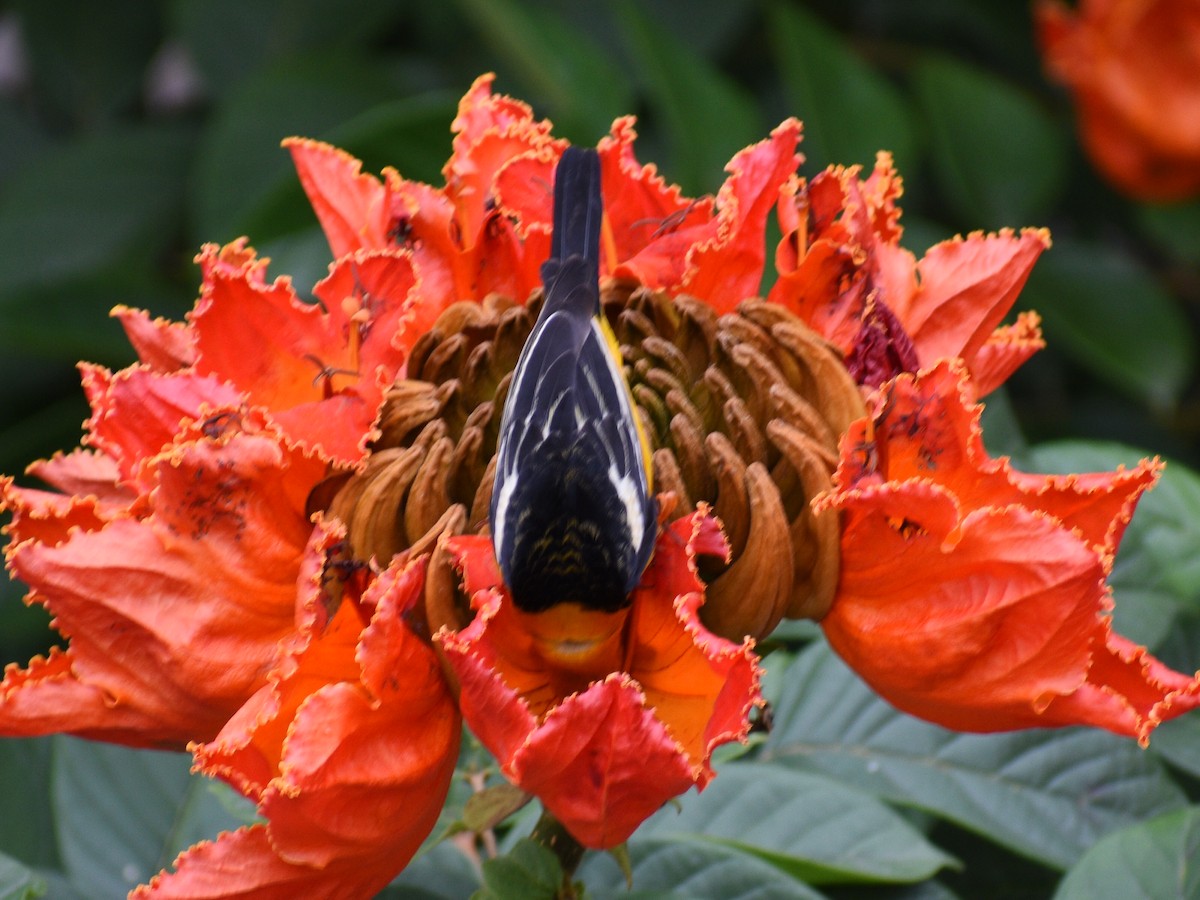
point(619, 363)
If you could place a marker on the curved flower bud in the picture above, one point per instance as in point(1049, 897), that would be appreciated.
point(1134, 71)
point(973, 595)
point(604, 742)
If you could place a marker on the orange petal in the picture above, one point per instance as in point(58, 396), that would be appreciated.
point(1005, 352)
point(975, 596)
point(163, 346)
point(728, 267)
point(319, 371)
point(172, 619)
point(138, 413)
point(490, 130)
point(349, 750)
point(927, 428)
point(714, 252)
point(967, 287)
point(701, 685)
point(643, 212)
point(351, 206)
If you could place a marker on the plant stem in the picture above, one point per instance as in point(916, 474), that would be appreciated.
point(550, 833)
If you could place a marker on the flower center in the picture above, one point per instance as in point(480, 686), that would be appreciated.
point(743, 411)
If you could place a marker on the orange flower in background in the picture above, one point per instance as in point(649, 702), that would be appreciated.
point(1133, 67)
point(275, 552)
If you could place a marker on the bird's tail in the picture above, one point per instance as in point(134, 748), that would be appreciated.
point(578, 209)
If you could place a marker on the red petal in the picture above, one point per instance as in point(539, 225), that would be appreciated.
point(163, 346)
point(1005, 351)
point(319, 371)
point(927, 428)
point(138, 413)
point(643, 213)
point(490, 130)
point(702, 686)
point(352, 207)
point(974, 596)
point(664, 241)
point(350, 750)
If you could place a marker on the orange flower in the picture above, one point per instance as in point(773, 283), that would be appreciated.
point(1133, 67)
point(275, 550)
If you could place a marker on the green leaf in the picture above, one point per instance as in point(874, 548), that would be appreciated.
point(122, 815)
point(17, 882)
point(674, 869)
point(998, 157)
point(1175, 227)
point(1046, 794)
point(26, 819)
point(849, 110)
point(1155, 860)
point(707, 117)
point(582, 86)
point(817, 830)
point(1108, 311)
point(85, 206)
point(1178, 742)
point(491, 806)
point(1157, 571)
point(528, 872)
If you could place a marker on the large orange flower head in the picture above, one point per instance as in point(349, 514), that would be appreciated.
point(278, 548)
point(1133, 69)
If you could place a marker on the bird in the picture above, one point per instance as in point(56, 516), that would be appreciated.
point(573, 520)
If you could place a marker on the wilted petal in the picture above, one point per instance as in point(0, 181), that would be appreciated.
point(975, 596)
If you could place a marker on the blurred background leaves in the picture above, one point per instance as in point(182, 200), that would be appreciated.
point(133, 131)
